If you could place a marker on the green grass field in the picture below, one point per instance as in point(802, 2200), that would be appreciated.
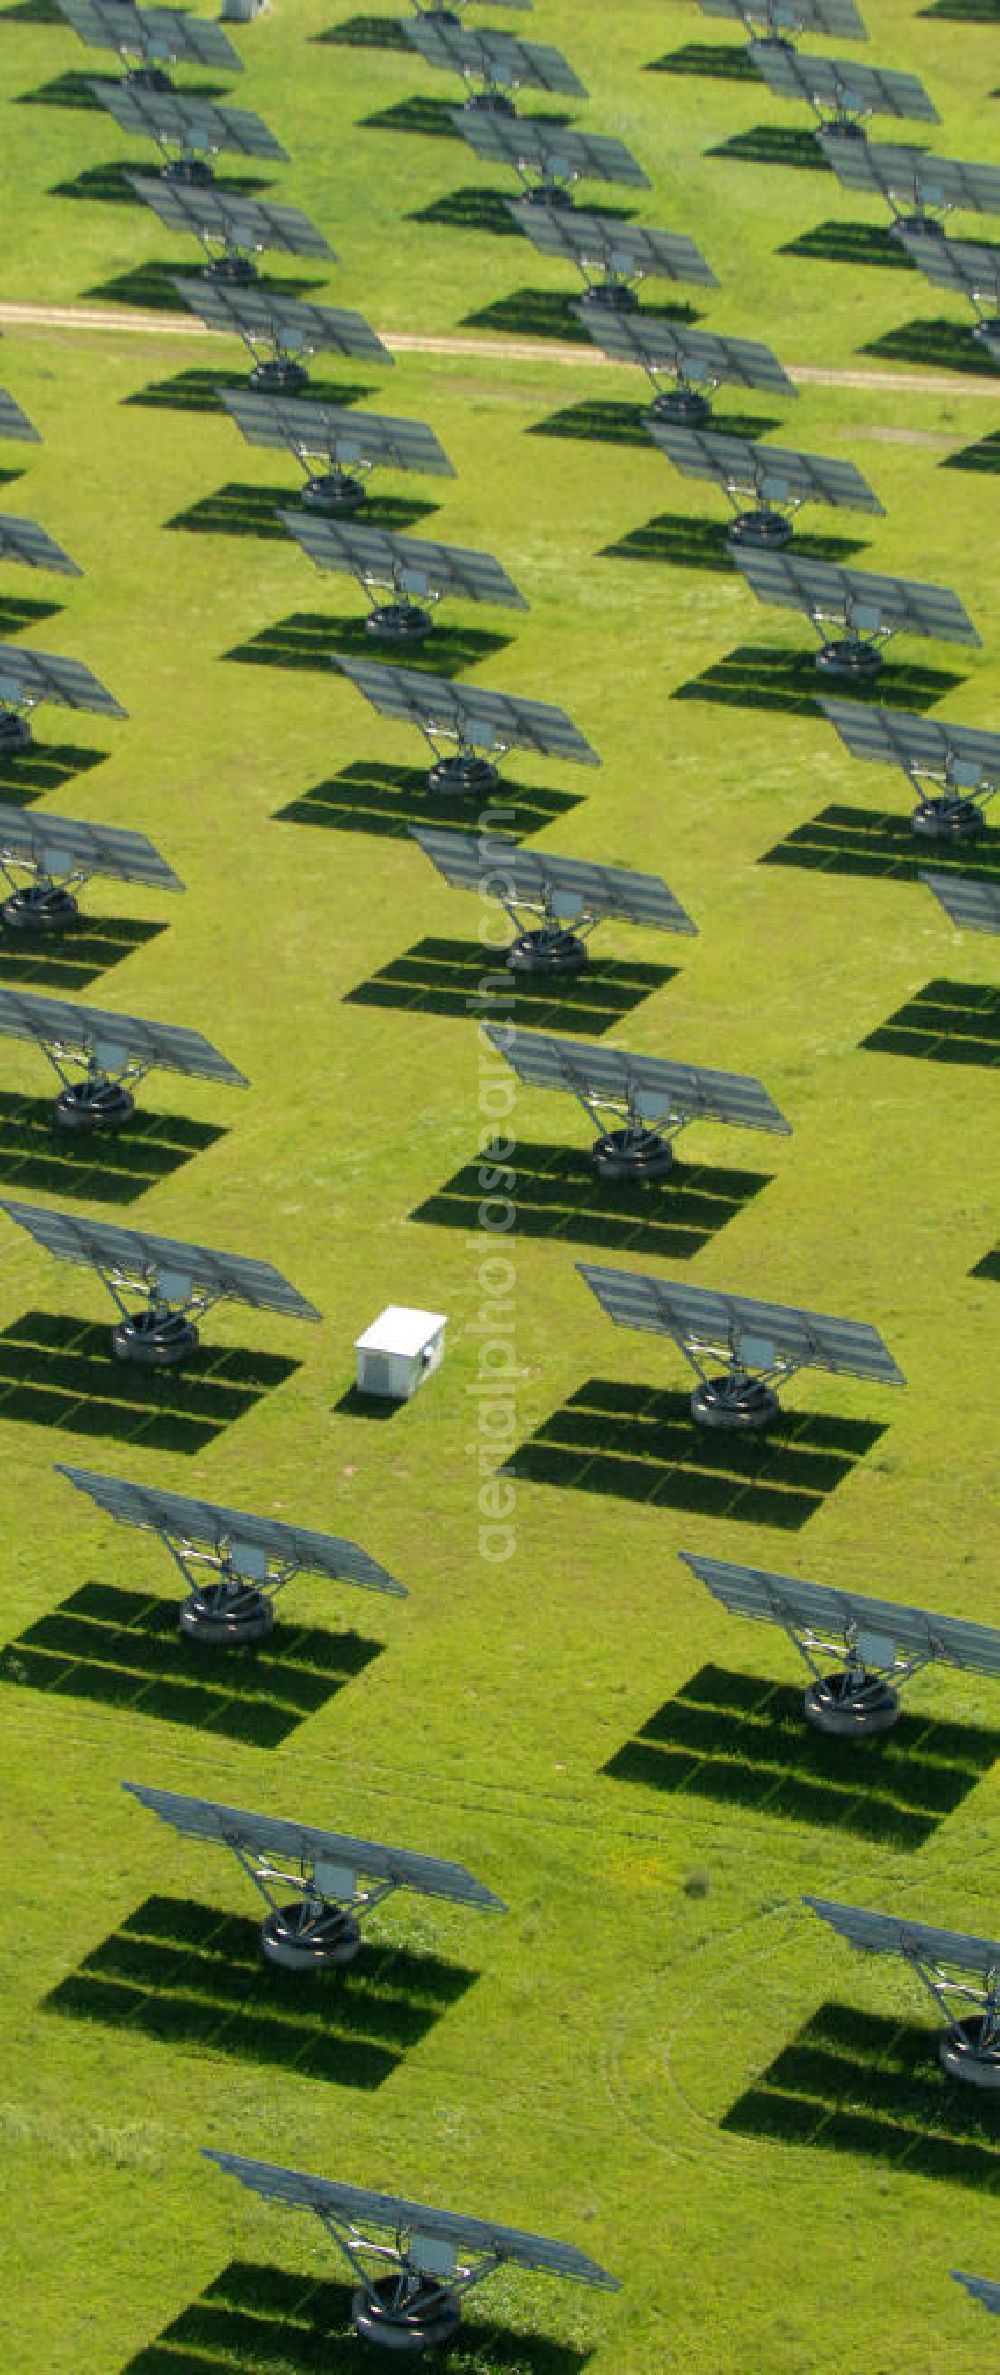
point(657, 2054)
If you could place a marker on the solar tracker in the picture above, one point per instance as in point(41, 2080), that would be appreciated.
point(961, 763)
point(973, 906)
point(950, 1965)
point(182, 121)
point(28, 678)
point(496, 59)
point(320, 1928)
point(177, 1279)
point(623, 252)
point(55, 851)
point(767, 1337)
point(837, 20)
point(913, 177)
point(435, 2255)
point(649, 1101)
point(407, 565)
point(168, 33)
point(851, 91)
point(113, 1051)
point(983, 2289)
point(244, 226)
point(14, 422)
point(285, 328)
point(871, 608)
point(350, 442)
point(24, 540)
point(966, 265)
point(879, 1643)
point(477, 720)
point(693, 358)
point(566, 896)
point(777, 479)
point(557, 155)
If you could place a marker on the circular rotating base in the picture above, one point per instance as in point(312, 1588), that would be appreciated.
point(155, 1341)
point(281, 376)
point(611, 296)
point(845, 130)
point(335, 491)
point(632, 1155)
point(466, 775)
point(969, 2061)
point(191, 171)
point(226, 1616)
point(948, 820)
point(330, 1939)
point(431, 2316)
point(764, 528)
point(744, 1410)
point(398, 622)
point(148, 78)
point(40, 908)
point(489, 103)
point(548, 194)
point(239, 271)
point(93, 1105)
point(15, 733)
point(834, 1705)
point(849, 658)
point(683, 407)
point(547, 952)
point(924, 223)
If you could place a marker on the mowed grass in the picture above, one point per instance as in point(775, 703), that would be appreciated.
point(656, 2054)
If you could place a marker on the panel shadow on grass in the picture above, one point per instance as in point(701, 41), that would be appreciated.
point(558, 1195)
point(368, 798)
point(984, 455)
point(313, 639)
point(241, 510)
point(486, 210)
point(965, 12)
point(739, 1740)
point(194, 391)
point(67, 90)
point(108, 184)
point(368, 32)
point(446, 977)
point(548, 313)
point(59, 1372)
point(853, 2082)
point(771, 676)
point(720, 61)
point(638, 1444)
point(187, 1974)
point(76, 959)
point(851, 243)
point(682, 542)
point(989, 1267)
point(151, 286)
point(947, 1022)
point(432, 118)
point(32, 12)
point(43, 768)
point(18, 612)
point(113, 1169)
point(625, 424)
point(255, 2316)
point(123, 1649)
point(942, 345)
point(774, 144)
point(882, 845)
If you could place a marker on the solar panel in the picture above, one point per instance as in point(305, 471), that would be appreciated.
point(767, 1334)
point(136, 1256)
point(785, 1600)
point(645, 1085)
point(14, 422)
point(271, 1835)
point(354, 2205)
point(962, 757)
point(890, 1933)
point(337, 430)
point(973, 906)
point(33, 676)
point(569, 886)
point(497, 57)
point(187, 122)
point(407, 563)
point(692, 354)
point(169, 33)
point(964, 265)
point(24, 540)
point(853, 90)
point(870, 604)
point(233, 1533)
point(252, 313)
point(113, 1040)
point(912, 176)
point(52, 845)
point(248, 223)
point(627, 249)
point(837, 20)
point(771, 473)
point(982, 2289)
point(549, 149)
point(468, 713)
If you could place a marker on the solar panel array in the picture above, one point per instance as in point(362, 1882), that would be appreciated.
point(763, 1333)
point(912, 176)
point(574, 887)
point(837, 20)
point(345, 435)
point(497, 57)
point(628, 249)
point(971, 269)
point(60, 845)
point(983, 2289)
point(692, 354)
point(255, 313)
point(408, 563)
point(785, 1599)
point(271, 1835)
point(24, 540)
point(233, 1533)
point(169, 33)
point(870, 604)
point(113, 1039)
point(916, 1941)
point(34, 676)
point(647, 1085)
point(560, 155)
point(775, 474)
point(187, 122)
point(468, 713)
point(14, 422)
point(964, 757)
point(250, 223)
point(180, 1268)
point(973, 906)
point(852, 89)
point(356, 2205)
